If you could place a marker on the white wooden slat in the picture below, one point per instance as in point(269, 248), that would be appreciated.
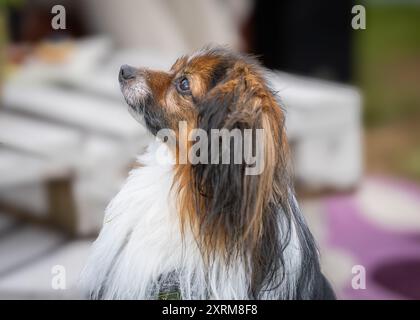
point(39, 137)
point(80, 110)
point(34, 280)
point(19, 169)
point(316, 106)
point(28, 196)
point(26, 244)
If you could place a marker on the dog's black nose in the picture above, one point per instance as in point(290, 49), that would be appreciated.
point(127, 72)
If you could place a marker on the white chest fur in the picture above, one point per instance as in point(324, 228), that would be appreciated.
point(140, 241)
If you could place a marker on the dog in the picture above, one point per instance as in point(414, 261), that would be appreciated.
point(205, 230)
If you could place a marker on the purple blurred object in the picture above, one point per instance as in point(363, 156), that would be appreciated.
point(391, 258)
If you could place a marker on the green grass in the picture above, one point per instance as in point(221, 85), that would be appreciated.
point(410, 165)
point(387, 62)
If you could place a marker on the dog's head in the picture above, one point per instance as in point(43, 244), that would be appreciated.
point(213, 84)
point(230, 212)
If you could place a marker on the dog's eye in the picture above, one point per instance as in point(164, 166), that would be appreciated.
point(184, 85)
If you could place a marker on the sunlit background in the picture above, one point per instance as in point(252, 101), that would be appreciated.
point(352, 101)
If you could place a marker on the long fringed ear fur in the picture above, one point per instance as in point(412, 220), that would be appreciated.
point(236, 213)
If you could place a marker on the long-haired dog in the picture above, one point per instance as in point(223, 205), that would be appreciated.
point(205, 230)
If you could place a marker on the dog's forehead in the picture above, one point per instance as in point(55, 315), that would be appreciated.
point(179, 64)
point(203, 64)
point(211, 52)
point(203, 60)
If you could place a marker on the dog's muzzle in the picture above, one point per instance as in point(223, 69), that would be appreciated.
point(135, 90)
point(133, 86)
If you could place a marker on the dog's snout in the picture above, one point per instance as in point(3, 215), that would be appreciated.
point(127, 72)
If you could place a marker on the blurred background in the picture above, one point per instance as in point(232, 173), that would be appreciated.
point(352, 101)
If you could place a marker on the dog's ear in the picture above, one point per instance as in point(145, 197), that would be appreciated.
point(234, 203)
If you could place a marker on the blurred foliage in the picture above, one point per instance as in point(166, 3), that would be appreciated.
point(10, 3)
point(387, 61)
